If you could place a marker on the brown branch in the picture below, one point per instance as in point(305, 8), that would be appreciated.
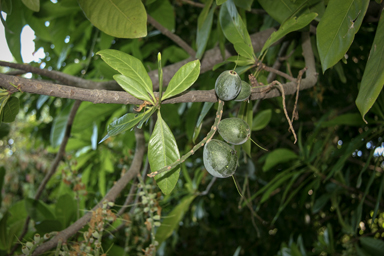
point(110, 197)
point(175, 38)
point(53, 168)
point(211, 58)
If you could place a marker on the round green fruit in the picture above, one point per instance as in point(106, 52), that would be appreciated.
point(234, 130)
point(245, 92)
point(228, 85)
point(220, 159)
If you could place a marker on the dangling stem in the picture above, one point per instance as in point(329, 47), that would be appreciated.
point(258, 144)
point(234, 181)
point(209, 136)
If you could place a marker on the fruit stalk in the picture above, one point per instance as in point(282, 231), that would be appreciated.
point(209, 136)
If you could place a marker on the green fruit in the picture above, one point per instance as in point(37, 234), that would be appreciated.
point(220, 159)
point(245, 92)
point(234, 130)
point(228, 85)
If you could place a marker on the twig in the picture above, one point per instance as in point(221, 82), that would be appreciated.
point(53, 168)
point(172, 36)
point(209, 136)
point(278, 72)
point(280, 86)
point(128, 200)
point(295, 115)
point(109, 197)
point(208, 188)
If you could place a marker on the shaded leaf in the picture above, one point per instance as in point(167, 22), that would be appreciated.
point(171, 223)
point(128, 66)
point(292, 24)
point(59, 125)
point(15, 24)
point(65, 209)
point(278, 156)
point(38, 210)
point(157, 11)
point(372, 245)
point(261, 120)
point(373, 77)
point(204, 28)
point(2, 174)
point(351, 119)
point(118, 18)
point(162, 151)
point(245, 4)
point(34, 5)
point(235, 31)
point(337, 29)
point(183, 79)
point(281, 10)
point(10, 110)
point(320, 203)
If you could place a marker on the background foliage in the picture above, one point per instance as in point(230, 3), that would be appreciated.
point(319, 196)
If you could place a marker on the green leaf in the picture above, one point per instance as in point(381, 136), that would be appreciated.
point(38, 210)
point(204, 111)
point(162, 151)
point(157, 11)
point(373, 77)
point(281, 10)
point(59, 125)
point(183, 79)
point(292, 24)
point(15, 24)
point(204, 28)
point(220, 2)
point(248, 117)
point(90, 113)
point(337, 29)
point(4, 130)
point(351, 119)
point(10, 110)
point(65, 209)
point(132, 87)
point(245, 4)
point(34, 5)
point(160, 73)
point(320, 203)
point(118, 18)
point(171, 223)
point(235, 31)
point(278, 156)
point(3, 232)
point(372, 245)
point(261, 120)
point(124, 123)
point(128, 66)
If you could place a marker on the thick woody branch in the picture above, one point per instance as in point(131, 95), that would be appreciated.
point(211, 58)
point(110, 197)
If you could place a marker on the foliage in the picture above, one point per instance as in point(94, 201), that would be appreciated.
point(73, 167)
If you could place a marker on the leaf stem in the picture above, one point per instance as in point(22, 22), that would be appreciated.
point(209, 136)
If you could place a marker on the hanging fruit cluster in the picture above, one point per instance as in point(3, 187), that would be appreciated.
point(220, 159)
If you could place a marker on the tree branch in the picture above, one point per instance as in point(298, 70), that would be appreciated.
point(110, 197)
point(211, 58)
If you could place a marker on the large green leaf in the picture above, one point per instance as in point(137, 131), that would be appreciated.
point(34, 5)
point(2, 174)
point(162, 151)
point(337, 29)
point(234, 30)
point(183, 79)
point(372, 245)
point(351, 119)
point(65, 209)
point(118, 18)
point(174, 217)
point(157, 10)
point(277, 156)
point(132, 87)
point(204, 25)
point(15, 24)
point(90, 113)
point(59, 125)
point(10, 110)
point(292, 24)
point(38, 210)
point(373, 78)
point(128, 66)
